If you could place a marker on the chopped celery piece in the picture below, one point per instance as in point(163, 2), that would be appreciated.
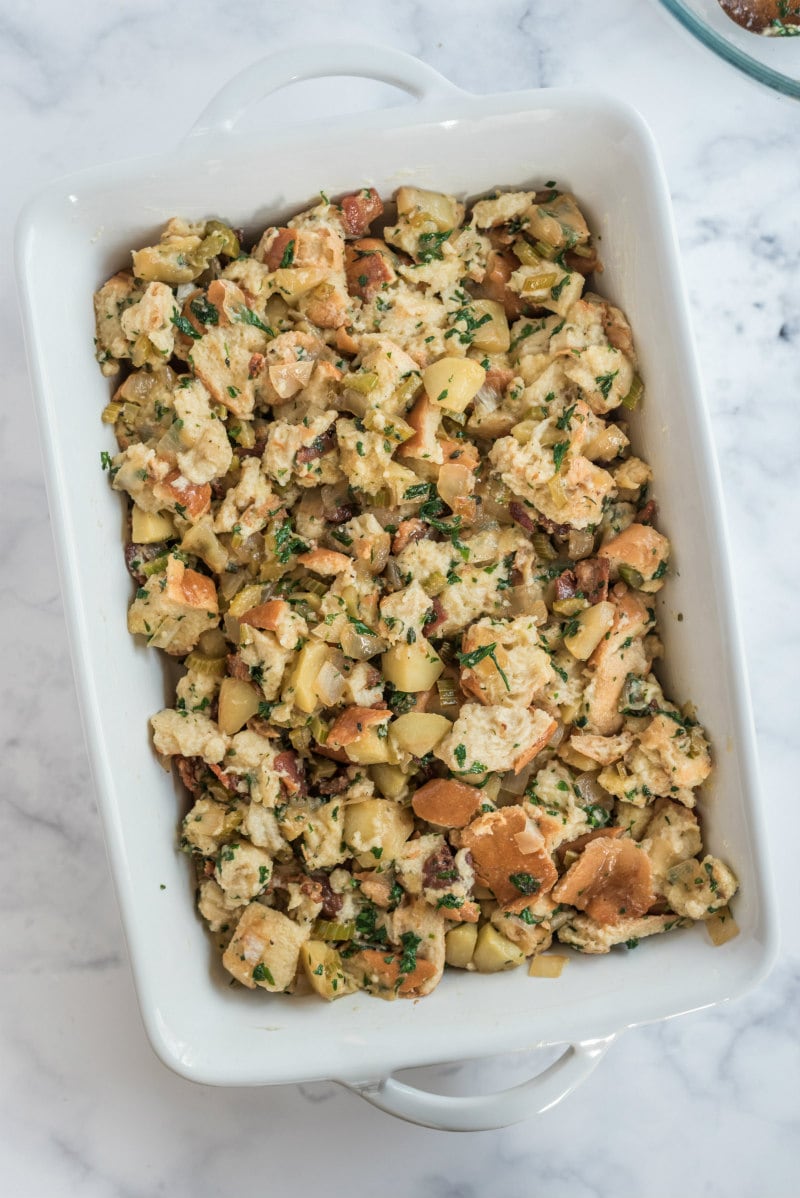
point(456, 417)
point(569, 607)
point(219, 239)
point(301, 739)
point(526, 253)
point(319, 729)
point(408, 389)
point(247, 597)
point(382, 498)
point(364, 382)
point(544, 547)
point(632, 577)
point(631, 400)
point(328, 929)
point(211, 667)
point(543, 282)
point(111, 412)
point(316, 586)
point(155, 566)
point(545, 250)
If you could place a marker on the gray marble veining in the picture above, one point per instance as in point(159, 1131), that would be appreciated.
point(710, 1101)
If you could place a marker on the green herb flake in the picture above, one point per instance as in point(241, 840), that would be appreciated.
point(261, 973)
point(526, 883)
point(287, 257)
point(185, 326)
point(559, 453)
point(430, 246)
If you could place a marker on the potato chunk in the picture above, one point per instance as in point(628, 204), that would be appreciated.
point(453, 382)
point(494, 952)
point(413, 667)
point(376, 830)
point(322, 966)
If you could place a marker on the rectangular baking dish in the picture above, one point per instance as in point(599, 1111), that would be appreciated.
point(75, 234)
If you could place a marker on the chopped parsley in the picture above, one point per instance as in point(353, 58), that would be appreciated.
point(597, 816)
point(287, 257)
point(408, 960)
point(604, 382)
point(286, 543)
point(261, 973)
point(185, 326)
point(360, 626)
point(564, 421)
point(247, 316)
point(430, 246)
point(559, 453)
point(470, 660)
point(420, 491)
point(526, 883)
point(206, 312)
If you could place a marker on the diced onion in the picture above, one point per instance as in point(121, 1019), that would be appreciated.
point(722, 927)
point(359, 645)
point(557, 737)
point(515, 783)
point(447, 692)
point(549, 966)
point(455, 480)
point(580, 544)
point(527, 601)
point(592, 793)
point(487, 399)
point(330, 684)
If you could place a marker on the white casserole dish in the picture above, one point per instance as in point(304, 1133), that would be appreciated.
point(70, 239)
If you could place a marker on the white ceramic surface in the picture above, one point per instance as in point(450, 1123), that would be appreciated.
point(710, 1099)
point(81, 227)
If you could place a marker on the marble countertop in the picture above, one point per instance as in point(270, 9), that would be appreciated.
point(710, 1100)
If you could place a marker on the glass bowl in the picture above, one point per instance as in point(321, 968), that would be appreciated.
point(773, 61)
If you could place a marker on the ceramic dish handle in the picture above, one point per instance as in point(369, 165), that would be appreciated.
point(484, 1112)
point(316, 60)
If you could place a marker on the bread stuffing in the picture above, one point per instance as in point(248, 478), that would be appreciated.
point(384, 514)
